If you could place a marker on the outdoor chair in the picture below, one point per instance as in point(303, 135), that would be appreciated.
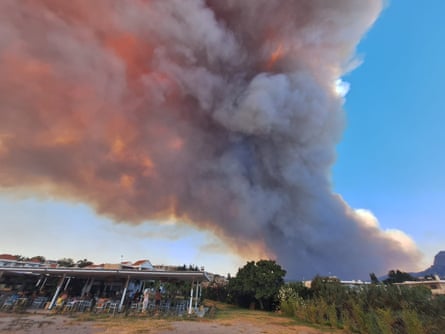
point(113, 307)
point(21, 304)
point(165, 306)
point(136, 307)
point(181, 308)
point(102, 305)
point(151, 306)
point(3, 297)
point(71, 305)
point(60, 305)
point(85, 305)
point(9, 303)
point(39, 302)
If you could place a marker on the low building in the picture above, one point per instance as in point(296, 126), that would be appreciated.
point(437, 286)
point(143, 265)
point(7, 260)
point(115, 283)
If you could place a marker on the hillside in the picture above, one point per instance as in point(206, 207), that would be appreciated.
point(438, 267)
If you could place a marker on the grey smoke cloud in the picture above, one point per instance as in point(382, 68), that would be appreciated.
point(221, 113)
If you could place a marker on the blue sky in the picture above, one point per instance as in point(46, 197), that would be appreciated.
point(391, 158)
point(56, 229)
point(390, 161)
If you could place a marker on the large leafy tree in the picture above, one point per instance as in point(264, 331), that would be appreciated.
point(397, 276)
point(83, 263)
point(257, 283)
point(39, 258)
point(66, 262)
point(329, 289)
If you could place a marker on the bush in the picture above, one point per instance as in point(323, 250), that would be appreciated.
point(374, 309)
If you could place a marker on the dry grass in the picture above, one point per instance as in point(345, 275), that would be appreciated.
point(225, 319)
point(134, 326)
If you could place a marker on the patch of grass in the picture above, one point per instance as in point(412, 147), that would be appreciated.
point(135, 325)
point(227, 311)
point(229, 314)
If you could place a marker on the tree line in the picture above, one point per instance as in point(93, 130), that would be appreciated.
point(64, 262)
point(376, 308)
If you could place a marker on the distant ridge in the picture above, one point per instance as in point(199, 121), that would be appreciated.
point(438, 268)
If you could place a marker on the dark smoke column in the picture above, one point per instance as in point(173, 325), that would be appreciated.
point(280, 116)
point(223, 113)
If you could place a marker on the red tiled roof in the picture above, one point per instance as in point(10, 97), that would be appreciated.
point(8, 257)
point(137, 263)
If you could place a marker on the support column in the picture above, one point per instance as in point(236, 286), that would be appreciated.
point(67, 283)
point(90, 285)
point(39, 281)
point(191, 298)
point(87, 286)
point(124, 293)
point(42, 286)
point(196, 296)
point(59, 287)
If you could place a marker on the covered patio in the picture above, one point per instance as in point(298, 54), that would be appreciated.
point(105, 290)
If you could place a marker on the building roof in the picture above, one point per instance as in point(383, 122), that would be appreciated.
point(109, 273)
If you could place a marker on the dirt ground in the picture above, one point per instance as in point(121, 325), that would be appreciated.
point(29, 323)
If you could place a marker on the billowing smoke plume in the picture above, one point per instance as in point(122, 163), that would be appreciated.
point(222, 113)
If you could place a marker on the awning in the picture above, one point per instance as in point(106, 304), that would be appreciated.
point(197, 276)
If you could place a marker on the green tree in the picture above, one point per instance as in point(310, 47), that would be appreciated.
point(20, 257)
point(374, 279)
point(39, 258)
point(257, 284)
point(65, 262)
point(83, 263)
point(216, 291)
point(329, 289)
point(397, 276)
point(300, 289)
